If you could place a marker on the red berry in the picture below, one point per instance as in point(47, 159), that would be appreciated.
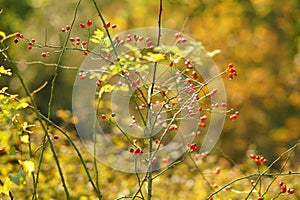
point(252, 156)
point(230, 76)
point(291, 191)
point(16, 40)
point(257, 161)
point(193, 147)
point(178, 35)
point(55, 137)
point(68, 27)
point(260, 198)
point(29, 47)
point(103, 116)
point(115, 26)
point(107, 24)
point(99, 83)
point(78, 39)
point(44, 54)
point(131, 150)
point(83, 43)
point(33, 40)
point(138, 151)
point(203, 118)
point(283, 189)
point(1, 151)
point(85, 53)
point(18, 34)
point(218, 170)
point(171, 64)
point(281, 183)
point(230, 65)
point(63, 30)
point(82, 25)
point(72, 39)
point(201, 124)
point(89, 23)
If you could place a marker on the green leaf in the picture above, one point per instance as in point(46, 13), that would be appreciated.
point(18, 179)
point(12, 151)
point(6, 187)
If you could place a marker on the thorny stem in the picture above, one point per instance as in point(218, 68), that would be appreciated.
point(72, 144)
point(260, 175)
point(150, 140)
point(16, 70)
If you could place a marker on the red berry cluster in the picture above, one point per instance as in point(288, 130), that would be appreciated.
point(108, 25)
point(234, 116)
point(259, 160)
point(30, 43)
point(202, 121)
point(137, 151)
point(173, 127)
point(134, 38)
point(232, 71)
point(18, 35)
point(179, 38)
point(284, 189)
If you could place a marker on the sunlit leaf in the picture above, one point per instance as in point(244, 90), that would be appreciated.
point(154, 57)
point(105, 88)
point(94, 40)
point(6, 186)
point(2, 34)
point(25, 139)
point(28, 166)
point(5, 71)
point(22, 105)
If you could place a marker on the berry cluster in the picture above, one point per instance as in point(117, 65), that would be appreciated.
point(234, 116)
point(259, 160)
point(108, 25)
point(137, 151)
point(284, 189)
point(232, 71)
point(179, 38)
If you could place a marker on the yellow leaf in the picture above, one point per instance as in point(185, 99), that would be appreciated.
point(28, 166)
point(2, 34)
point(105, 88)
point(22, 105)
point(6, 187)
point(25, 139)
point(96, 41)
point(154, 57)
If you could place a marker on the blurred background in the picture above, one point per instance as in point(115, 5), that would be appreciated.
point(261, 37)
